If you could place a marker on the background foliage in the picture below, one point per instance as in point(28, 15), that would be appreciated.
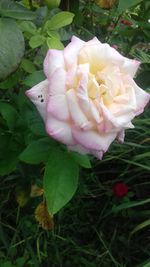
point(96, 228)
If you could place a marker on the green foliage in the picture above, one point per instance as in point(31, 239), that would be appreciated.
point(124, 5)
point(82, 160)
point(37, 151)
point(54, 43)
point(14, 10)
point(28, 26)
point(34, 78)
point(10, 81)
point(18, 263)
point(9, 114)
point(141, 226)
point(9, 161)
point(49, 32)
point(129, 204)
point(147, 264)
point(60, 179)
point(36, 40)
point(59, 20)
point(10, 55)
point(27, 65)
point(142, 56)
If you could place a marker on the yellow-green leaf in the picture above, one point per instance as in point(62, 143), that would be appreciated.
point(59, 20)
point(54, 43)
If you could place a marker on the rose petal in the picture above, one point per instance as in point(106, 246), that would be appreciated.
point(57, 82)
point(53, 60)
point(99, 56)
point(71, 77)
point(71, 51)
point(93, 140)
point(93, 88)
point(142, 98)
point(82, 95)
point(93, 41)
point(76, 113)
point(97, 153)
point(86, 105)
point(59, 130)
point(124, 104)
point(38, 95)
point(95, 113)
point(58, 107)
point(130, 66)
point(119, 118)
point(102, 55)
point(80, 149)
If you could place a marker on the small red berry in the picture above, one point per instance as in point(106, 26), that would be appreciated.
point(120, 189)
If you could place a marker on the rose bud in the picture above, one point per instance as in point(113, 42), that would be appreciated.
point(120, 190)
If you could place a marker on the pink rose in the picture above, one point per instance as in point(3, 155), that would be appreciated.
point(89, 97)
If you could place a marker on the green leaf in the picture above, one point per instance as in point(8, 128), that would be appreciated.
point(126, 4)
point(34, 78)
point(28, 65)
point(32, 118)
point(20, 262)
point(59, 20)
point(38, 151)
point(11, 81)
point(4, 141)
point(36, 40)
point(7, 264)
point(54, 43)
point(60, 180)
point(130, 204)
point(8, 164)
point(144, 166)
point(65, 35)
point(143, 156)
point(82, 160)
point(53, 34)
point(143, 79)
point(28, 26)
point(37, 126)
point(15, 10)
point(9, 114)
point(140, 226)
point(147, 264)
point(11, 47)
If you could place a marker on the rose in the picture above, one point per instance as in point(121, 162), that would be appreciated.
point(89, 96)
point(120, 189)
